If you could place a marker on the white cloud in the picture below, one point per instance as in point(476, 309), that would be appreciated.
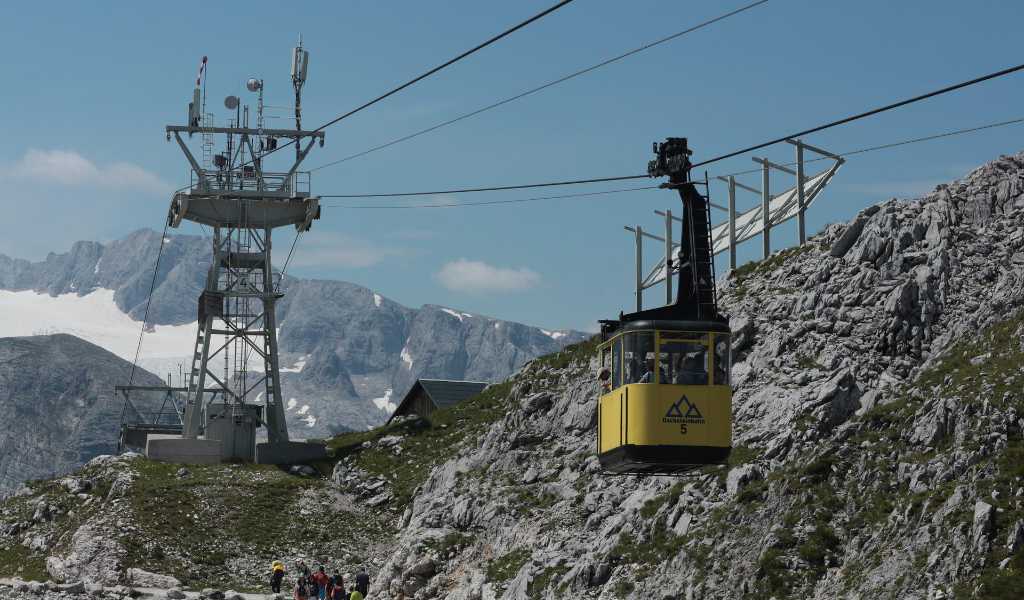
point(475, 276)
point(67, 167)
point(340, 250)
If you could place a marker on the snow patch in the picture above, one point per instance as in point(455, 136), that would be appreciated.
point(95, 317)
point(377, 300)
point(407, 358)
point(384, 403)
point(555, 335)
point(304, 409)
point(297, 367)
point(457, 314)
point(310, 420)
point(96, 269)
point(497, 325)
point(292, 403)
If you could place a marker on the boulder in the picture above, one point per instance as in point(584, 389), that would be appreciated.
point(842, 245)
point(982, 527)
point(739, 477)
point(143, 578)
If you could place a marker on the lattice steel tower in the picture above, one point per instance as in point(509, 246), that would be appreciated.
point(234, 383)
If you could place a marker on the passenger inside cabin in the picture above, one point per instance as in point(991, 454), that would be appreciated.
point(648, 376)
point(693, 371)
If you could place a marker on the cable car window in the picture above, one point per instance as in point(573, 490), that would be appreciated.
point(723, 359)
point(616, 363)
point(638, 353)
point(685, 362)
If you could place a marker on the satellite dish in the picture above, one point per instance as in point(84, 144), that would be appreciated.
point(254, 85)
point(231, 102)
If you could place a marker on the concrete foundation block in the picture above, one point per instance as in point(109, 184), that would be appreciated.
point(286, 453)
point(176, 449)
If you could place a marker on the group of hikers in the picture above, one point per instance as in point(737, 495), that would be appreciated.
point(318, 585)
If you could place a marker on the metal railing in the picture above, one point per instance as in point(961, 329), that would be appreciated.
point(250, 180)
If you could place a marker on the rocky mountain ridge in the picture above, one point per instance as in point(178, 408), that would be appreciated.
point(348, 353)
point(72, 415)
point(878, 447)
point(878, 437)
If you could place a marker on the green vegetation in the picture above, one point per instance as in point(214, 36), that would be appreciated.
point(622, 588)
point(451, 542)
point(426, 442)
point(574, 353)
point(525, 500)
point(504, 568)
point(541, 582)
point(189, 527)
point(18, 561)
point(741, 455)
point(670, 497)
point(775, 578)
point(662, 545)
point(819, 469)
point(819, 544)
point(769, 264)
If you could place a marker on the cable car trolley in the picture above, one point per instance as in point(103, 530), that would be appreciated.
point(666, 401)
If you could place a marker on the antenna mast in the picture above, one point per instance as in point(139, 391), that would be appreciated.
point(234, 384)
point(300, 64)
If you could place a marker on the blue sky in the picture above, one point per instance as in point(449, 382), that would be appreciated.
point(87, 91)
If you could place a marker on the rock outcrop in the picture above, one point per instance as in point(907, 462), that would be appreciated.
point(57, 398)
point(878, 418)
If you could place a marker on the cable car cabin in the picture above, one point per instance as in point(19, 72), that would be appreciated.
point(666, 402)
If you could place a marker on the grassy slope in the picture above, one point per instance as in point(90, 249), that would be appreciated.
point(190, 527)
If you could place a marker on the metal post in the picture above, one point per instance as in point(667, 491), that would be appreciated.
point(800, 191)
point(639, 270)
point(668, 257)
point(732, 222)
point(766, 198)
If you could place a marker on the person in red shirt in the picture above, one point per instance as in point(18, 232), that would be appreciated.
point(337, 588)
point(321, 580)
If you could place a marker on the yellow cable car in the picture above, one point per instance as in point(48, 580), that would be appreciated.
point(666, 401)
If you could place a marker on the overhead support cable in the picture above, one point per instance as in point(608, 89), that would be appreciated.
point(508, 201)
point(291, 251)
point(436, 69)
point(480, 46)
point(543, 86)
point(778, 140)
point(149, 301)
point(894, 144)
point(856, 117)
point(487, 189)
point(737, 173)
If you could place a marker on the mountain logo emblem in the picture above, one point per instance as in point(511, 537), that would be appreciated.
point(676, 414)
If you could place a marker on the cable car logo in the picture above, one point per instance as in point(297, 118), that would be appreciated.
point(675, 412)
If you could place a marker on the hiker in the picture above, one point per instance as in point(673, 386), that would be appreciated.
point(276, 576)
point(362, 582)
point(321, 580)
point(337, 587)
point(301, 589)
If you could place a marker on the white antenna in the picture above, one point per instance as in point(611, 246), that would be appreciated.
point(300, 65)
